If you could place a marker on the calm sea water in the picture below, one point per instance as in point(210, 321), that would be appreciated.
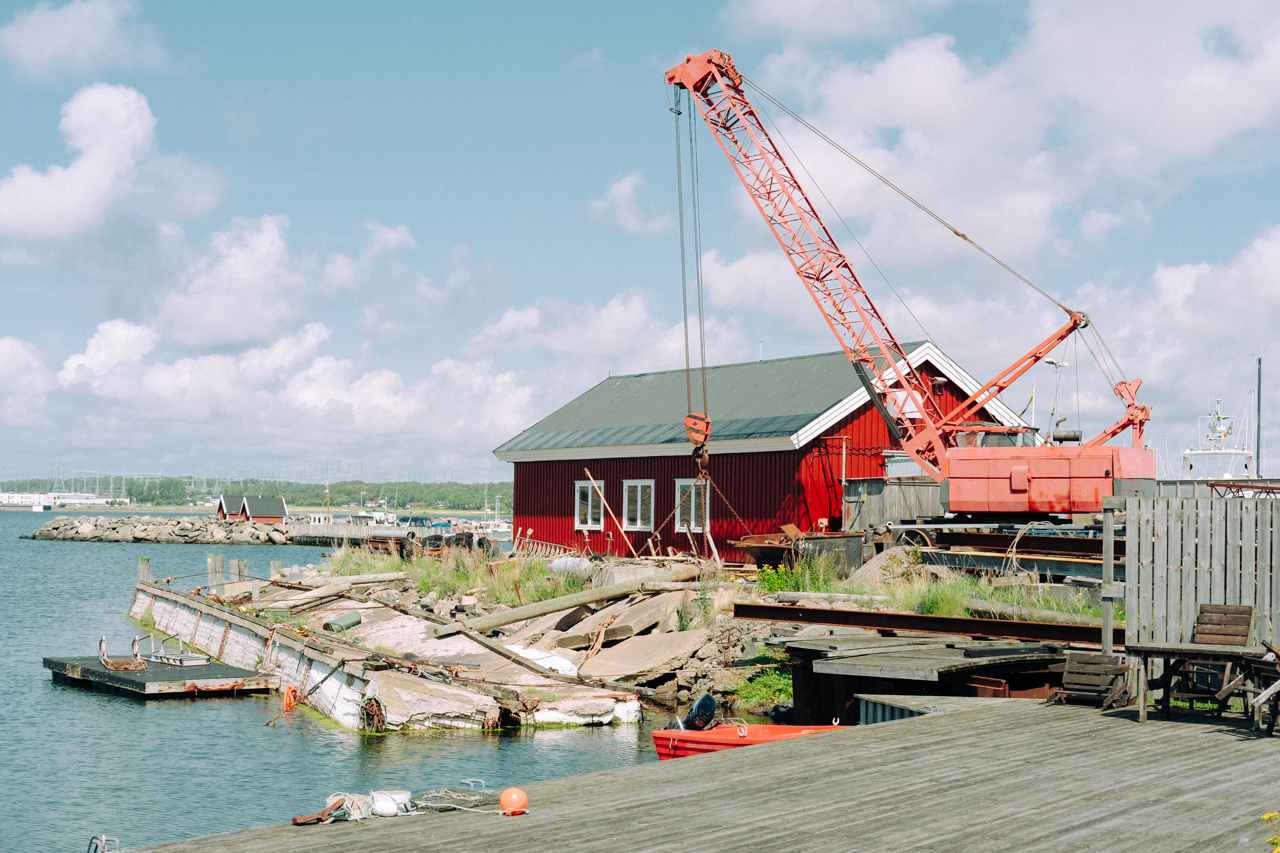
point(77, 763)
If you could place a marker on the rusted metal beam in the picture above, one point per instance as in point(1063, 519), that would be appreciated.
point(1045, 632)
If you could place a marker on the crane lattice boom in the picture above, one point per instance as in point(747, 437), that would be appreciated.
point(1066, 479)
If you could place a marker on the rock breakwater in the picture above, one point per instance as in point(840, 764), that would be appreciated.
point(176, 530)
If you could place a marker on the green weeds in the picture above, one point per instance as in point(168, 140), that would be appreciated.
point(767, 688)
point(509, 582)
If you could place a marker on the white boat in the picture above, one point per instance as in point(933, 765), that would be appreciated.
point(1219, 457)
point(496, 529)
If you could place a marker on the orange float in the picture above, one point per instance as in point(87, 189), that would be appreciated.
point(514, 801)
point(290, 696)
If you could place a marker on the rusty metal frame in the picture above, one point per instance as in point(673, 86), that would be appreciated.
point(1003, 629)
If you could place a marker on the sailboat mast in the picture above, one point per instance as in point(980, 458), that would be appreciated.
point(1257, 442)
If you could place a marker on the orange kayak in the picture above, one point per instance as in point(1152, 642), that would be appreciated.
point(678, 743)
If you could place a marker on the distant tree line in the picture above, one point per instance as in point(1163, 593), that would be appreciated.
point(403, 497)
point(398, 496)
point(167, 491)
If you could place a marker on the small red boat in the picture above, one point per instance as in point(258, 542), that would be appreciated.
point(678, 743)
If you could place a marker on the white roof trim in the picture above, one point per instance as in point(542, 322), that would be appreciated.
point(926, 352)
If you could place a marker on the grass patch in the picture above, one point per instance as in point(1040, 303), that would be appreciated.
point(920, 592)
point(811, 574)
point(509, 582)
point(767, 688)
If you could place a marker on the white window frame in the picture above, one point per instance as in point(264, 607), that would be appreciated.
point(642, 524)
point(594, 506)
point(692, 511)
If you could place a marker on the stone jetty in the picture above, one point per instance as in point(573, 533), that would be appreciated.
point(176, 530)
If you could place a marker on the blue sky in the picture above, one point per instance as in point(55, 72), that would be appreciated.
point(240, 238)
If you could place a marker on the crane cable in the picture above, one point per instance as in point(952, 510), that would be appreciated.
point(891, 185)
point(684, 277)
point(900, 191)
point(778, 130)
point(697, 254)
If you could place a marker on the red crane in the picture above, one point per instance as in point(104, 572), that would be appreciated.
point(1034, 479)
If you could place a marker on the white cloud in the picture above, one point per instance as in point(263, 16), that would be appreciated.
point(79, 39)
point(242, 291)
point(825, 20)
point(116, 344)
point(24, 381)
point(579, 345)
point(344, 271)
point(621, 205)
point(1097, 114)
point(112, 128)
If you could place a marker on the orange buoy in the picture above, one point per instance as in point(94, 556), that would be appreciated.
point(290, 696)
point(514, 801)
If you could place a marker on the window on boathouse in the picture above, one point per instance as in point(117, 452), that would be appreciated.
point(590, 514)
point(637, 504)
point(691, 505)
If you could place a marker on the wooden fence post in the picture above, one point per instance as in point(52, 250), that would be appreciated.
point(1108, 569)
point(144, 568)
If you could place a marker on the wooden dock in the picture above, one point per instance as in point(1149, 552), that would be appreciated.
point(160, 680)
point(968, 775)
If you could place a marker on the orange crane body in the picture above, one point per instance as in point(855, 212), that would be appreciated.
point(1008, 480)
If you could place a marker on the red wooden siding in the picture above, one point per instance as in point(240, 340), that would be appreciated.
point(767, 490)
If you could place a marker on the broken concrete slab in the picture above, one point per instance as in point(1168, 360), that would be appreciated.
point(646, 657)
point(418, 702)
point(583, 634)
point(561, 620)
point(650, 612)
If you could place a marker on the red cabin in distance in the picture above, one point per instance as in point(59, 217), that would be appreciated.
point(246, 508)
point(783, 434)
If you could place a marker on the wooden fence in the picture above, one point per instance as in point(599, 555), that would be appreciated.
point(1182, 552)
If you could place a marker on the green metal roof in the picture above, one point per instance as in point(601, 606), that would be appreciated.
point(758, 399)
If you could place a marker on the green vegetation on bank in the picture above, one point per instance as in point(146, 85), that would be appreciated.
point(509, 582)
point(906, 584)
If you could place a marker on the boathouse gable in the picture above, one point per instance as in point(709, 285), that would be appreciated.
point(783, 433)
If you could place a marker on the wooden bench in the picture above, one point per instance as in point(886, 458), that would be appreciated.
point(1094, 679)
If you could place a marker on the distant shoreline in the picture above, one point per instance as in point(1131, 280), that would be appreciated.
point(297, 512)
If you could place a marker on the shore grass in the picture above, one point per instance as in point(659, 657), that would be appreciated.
point(766, 688)
point(509, 582)
point(912, 587)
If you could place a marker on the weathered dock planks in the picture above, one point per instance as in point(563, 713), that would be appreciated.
point(162, 679)
point(1009, 775)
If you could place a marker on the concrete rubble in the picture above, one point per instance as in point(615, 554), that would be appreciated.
point(189, 530)
point(417, 656)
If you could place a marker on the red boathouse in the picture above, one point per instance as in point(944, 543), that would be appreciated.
point(783, 434)
point(246, 508)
